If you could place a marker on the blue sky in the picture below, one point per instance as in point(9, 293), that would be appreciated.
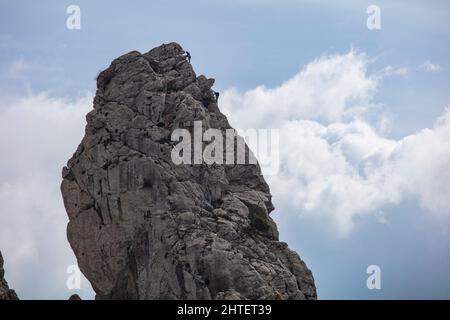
point(244, 44)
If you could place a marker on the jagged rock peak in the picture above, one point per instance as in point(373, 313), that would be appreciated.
point(143, 227)
point(5, 292)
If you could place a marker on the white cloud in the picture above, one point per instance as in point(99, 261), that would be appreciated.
point(38, 135)
point(335, 163)
point(430, 67)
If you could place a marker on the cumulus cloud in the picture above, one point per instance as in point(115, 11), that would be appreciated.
point(38, 134)
point(335, 163)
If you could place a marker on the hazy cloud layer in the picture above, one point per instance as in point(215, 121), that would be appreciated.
point(430, 67)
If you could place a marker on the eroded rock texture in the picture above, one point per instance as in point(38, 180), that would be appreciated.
point(142, 227)
point(5, 292)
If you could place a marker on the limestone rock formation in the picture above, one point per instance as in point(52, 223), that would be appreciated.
point(142, 227)
point(5, 292)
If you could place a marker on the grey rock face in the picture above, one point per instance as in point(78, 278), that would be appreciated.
point(142, 227)
point(5, 292)
point(74, 297)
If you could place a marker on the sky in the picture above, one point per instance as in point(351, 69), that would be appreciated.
point(363, 118)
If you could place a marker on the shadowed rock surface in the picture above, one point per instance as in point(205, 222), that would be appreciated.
point(5, 292)
point(142, 227)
